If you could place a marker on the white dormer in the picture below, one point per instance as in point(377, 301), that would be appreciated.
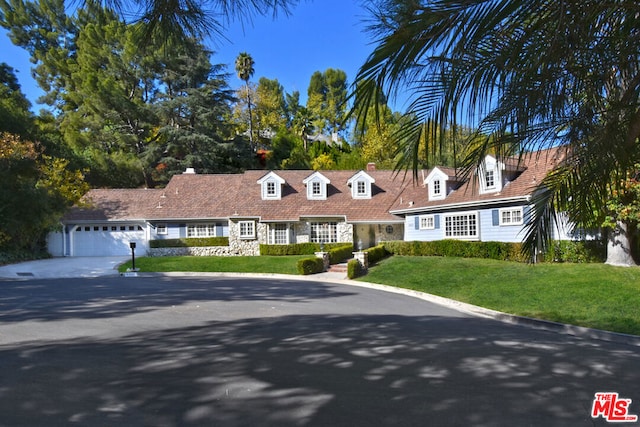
point(271, 185)
point(316, 186)
point(436, 183)
point(490, 175)
point(361, 185)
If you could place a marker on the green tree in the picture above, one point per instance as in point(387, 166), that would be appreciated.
point(528, 75)
point(15, 116)
point(245, 70)
point(270, 105)
point(327, 100)
point(36, 189)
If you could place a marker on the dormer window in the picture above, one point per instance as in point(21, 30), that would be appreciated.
point(490, 180)
point(271, 185)
point(271, 189)
point(436, 183)
point(361, 185)
point(437, 190)
point(316, 186)
point(490, 175)
point(316, 190)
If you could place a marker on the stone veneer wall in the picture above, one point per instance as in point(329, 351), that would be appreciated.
point(248, 247)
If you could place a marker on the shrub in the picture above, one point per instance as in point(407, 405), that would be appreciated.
point(310, 266)
point(354, 269)
point(560, 251)
point(292, 249)
point(340, 253)
point(190, 242)
point(376, 253)
point(578, 252)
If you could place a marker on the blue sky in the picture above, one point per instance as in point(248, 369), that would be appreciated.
point(318, 34)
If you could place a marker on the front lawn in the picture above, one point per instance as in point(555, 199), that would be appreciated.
point(593, 295)
point(239, 264)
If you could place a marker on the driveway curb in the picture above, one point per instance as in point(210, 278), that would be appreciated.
point(577, 331)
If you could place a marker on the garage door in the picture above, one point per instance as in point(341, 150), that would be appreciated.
point(107, 240)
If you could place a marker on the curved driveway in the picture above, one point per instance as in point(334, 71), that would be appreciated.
point(221, 351)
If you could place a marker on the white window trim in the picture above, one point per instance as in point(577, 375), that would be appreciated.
point(322, 195)
point(332, 232)
point(272, 234)
point(250, 233)
point(466, 236)
point(210, 230)
point(277, 181)
point(427, 222)
point(519, 210)
point(367, 180)
point(162, 229)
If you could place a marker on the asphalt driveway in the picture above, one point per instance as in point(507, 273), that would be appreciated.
point(220, 351)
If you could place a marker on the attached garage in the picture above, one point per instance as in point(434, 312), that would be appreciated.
point(107, 239)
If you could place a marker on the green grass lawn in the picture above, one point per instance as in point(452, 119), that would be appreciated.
point(240, 264)
point(592, 295)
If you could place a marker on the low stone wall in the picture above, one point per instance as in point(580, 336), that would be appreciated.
point(193, 251)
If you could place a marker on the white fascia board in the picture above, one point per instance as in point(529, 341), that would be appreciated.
point(450, 206)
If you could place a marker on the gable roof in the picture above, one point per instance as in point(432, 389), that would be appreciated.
point(222, 196)
point(533, 166)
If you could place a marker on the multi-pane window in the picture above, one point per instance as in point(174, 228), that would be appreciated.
point(462, 226)
point(361, 188)
point(324, 232)
point(200, 230)
point(427, 222)
point(271, 189)
point(511, 216)
point(316, 189)
point(161, 229)
point(490, 179)
point(247, 229)
point(279, 234)
point(436, 187)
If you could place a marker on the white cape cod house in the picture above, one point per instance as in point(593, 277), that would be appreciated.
point(297, 206)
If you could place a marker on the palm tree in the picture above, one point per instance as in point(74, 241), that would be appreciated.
point(182, 19)
point(528, 75)
point(245, 70)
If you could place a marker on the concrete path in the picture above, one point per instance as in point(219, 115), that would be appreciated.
point(67, 267)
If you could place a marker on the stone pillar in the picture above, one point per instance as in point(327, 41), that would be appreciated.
point(363, 258)
point(325, 259)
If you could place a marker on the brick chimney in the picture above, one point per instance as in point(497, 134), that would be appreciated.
point(371, 167)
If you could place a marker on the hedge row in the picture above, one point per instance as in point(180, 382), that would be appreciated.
point(310, 266)
point(458, 248)
point(376, 253)
point(560, 251)
point(189, 242)
point(299, 248)
point(340, 253)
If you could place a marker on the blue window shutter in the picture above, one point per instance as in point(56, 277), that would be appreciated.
point(495, 217)
point(417, 222)
point(218, 229)
point(436, 222)
point(526, 213)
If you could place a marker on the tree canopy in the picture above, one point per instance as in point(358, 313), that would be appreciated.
point(527, 75)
